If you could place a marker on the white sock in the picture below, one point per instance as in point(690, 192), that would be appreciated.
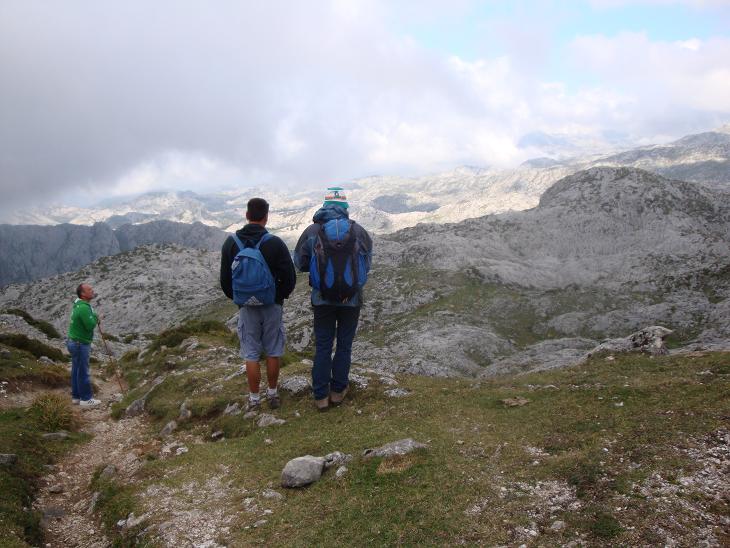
point(271, 391)
point(254, 397)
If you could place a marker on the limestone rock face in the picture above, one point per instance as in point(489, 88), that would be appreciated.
point(302, 471)
point(43, 251)
point(649, 340)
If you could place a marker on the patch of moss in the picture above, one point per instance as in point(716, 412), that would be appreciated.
point(33, 346)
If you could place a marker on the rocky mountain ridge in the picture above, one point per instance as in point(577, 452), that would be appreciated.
point(35, 252)
point(608, 251)
point(385, 204)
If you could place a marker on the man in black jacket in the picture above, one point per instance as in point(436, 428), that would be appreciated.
point(261, 327)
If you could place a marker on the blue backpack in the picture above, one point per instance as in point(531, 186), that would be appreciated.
point(253, 283)
point(336, 267)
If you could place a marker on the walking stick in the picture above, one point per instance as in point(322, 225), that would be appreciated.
point(111, 358)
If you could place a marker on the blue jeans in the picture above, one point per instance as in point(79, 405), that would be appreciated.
point(80, 379)
point(333, 322)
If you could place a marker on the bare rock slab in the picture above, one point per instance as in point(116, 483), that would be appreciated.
point(302, 471)
point(515, 402)
point(8, 459)
point(400, 447)
point(268, 420)
point(296, 385)
point(397, 392)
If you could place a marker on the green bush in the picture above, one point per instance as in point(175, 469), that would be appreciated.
point(41, 325)
point(52, 412)
point(35, 347)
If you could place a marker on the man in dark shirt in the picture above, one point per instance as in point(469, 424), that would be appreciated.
point(261, 327)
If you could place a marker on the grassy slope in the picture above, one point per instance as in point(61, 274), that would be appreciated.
point(21, 434)
point(603, 430)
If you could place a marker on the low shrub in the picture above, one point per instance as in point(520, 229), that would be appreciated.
point(53, 412)
point(35, 347)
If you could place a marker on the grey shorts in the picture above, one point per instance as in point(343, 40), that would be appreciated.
point(261, 328)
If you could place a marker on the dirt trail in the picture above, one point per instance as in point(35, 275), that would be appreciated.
point(65, 498)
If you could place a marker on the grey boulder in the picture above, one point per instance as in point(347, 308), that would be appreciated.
point(302, 471)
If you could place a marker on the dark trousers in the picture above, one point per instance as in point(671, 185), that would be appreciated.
point(333, 322)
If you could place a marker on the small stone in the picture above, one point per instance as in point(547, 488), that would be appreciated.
point(135, 408)
point(341, 471)
point(269, 420)
point(94, 501)
point(6, 354)
point(296, 385)
point(53, 512)
point(181, 450)
point(218, 434)
point(268, 441)
point(400, 447)
point(618, 404)
point(46, 360)
point(302, 471)
point(232, 409)
point(397, 392)
point(250, 414)
point(169, 428)
point(337, 458)
point(185, 413)
point(57, 488)
point(359, 381)
point(390, 381)
point(271, 494)
point(260, 523)
point(56, 436)
point(557, 526)
point(108, 472)
point(307, 361)
point(8, 459)
point(515, 402)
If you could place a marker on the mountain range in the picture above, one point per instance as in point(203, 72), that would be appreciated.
point(73, 236)
point(607, 251)
point(385, 203)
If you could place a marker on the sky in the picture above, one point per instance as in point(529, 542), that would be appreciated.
point(106, 99)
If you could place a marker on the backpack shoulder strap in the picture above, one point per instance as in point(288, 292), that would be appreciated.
point(238, 241)
point(265, 237)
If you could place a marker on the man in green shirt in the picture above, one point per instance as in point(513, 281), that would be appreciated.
point(80, 335)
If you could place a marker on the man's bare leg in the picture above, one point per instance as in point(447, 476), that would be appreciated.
point(272, 376)
point(253, 376)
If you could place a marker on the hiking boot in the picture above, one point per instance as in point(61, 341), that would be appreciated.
point(323, 404)
point(89, 403)
point(274, 402)
point(336, 398)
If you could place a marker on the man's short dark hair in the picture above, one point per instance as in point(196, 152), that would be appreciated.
point(79, 289)
point(257, 209)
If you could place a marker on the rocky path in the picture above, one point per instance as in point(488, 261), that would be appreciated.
point(65, 499)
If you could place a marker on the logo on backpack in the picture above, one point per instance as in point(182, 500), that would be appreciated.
point(253, 283)
point(337, 268)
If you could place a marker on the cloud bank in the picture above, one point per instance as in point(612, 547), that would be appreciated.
point(126, 97)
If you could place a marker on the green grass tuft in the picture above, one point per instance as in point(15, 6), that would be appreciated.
point(52, 412)
point(33, 346)
point(43, 326)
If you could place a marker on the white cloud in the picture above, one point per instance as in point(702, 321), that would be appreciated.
point(133, 96)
